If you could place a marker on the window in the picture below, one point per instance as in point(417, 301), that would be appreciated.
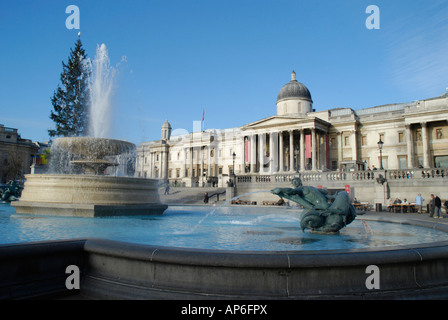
point(332, 143)
point(420, 161)
point(363, 140)
point(334, 165)
point(346, 141)
point(402, 162)
point(418, 135)
point(441, 161)
point(400, 137)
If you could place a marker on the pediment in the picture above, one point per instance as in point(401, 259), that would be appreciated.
point(283, 123)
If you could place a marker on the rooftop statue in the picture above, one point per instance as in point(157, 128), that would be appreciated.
point(323, 213)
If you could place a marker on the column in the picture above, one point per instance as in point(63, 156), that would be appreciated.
point(410, 146)
point(324, 153)
point(313, 149)
point(161, 176)
point(291, 150)
point(318, 147)
point(201, 159)
point(281, 164)
point(425, 145)
point(302, 150)
point(184, 174)
point(253, 155)
point(339, 149)
point(261, 146)
point(191, 162)
point(243, 156)
point(209, 162)
point(354, 146)
point(271, 153)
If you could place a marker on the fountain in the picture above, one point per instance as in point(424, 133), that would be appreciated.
point(321, 216)
point(78, 185)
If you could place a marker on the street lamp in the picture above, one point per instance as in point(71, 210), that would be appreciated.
point(380, 146)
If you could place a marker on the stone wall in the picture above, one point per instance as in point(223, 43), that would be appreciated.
point(364, 185)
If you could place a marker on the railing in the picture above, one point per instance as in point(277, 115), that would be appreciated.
point(348, 176)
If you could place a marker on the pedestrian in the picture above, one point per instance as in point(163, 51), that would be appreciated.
point(445, 204)
point(437, 207)
point(206, 197)
point(167, 189)
point(431, 206)
point(419, 202)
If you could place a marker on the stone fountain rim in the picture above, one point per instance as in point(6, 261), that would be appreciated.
point(274, 259)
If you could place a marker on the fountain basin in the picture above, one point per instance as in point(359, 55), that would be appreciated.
point(92, 147)
point(88, 196)
point(118, 270)
point(112, 269)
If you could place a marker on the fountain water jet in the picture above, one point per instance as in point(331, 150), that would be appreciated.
point(101, 85)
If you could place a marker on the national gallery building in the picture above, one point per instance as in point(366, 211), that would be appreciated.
point(298, 140)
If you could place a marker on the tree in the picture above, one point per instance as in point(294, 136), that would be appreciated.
point(71, 99)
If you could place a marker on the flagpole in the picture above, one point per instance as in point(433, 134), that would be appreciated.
point(203, 117)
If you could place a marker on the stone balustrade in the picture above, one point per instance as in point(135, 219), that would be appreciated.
point(369, 177)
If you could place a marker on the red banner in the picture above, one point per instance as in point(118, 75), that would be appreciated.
point(308, 146)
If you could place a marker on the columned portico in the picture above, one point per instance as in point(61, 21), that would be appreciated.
point(280, 152)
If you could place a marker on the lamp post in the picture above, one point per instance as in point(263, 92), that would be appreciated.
point(380, 146)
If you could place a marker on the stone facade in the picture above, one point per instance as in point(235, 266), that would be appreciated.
point(16, 154)
point(299, 140)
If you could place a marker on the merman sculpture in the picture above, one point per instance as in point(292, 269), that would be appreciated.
point(323, 213)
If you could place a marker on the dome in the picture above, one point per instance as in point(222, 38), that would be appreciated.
point(294, 90)
point(166, 125)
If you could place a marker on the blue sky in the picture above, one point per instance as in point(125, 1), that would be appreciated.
point(228, 57)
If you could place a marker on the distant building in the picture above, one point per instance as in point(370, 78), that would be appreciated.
point(16, 154)
point(300, 139)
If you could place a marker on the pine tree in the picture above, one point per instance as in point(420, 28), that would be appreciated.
point(71, 99)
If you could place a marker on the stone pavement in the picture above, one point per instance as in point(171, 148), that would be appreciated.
point(414, 216)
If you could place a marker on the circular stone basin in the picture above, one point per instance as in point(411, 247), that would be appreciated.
point(88, 196)
point(198, 252)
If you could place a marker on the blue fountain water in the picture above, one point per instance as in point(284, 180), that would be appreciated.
point(228, 228)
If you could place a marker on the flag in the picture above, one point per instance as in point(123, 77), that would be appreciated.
point(203, 117)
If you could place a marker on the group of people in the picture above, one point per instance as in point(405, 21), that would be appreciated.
point(392, 202)
point(435, 205)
